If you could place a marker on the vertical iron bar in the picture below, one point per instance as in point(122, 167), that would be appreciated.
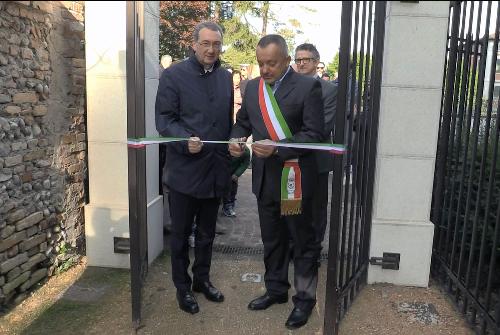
point(375, 89)
point(364, 169)
point(466, 146)
point(437, 244)
point(495, 239)
point(442, 150)
point(485, 151)
point(494, 252)
point(352, 110)
point(450, 173)
point(355, 179)
point(137, 157)
point(438, 229)
point(332, 302)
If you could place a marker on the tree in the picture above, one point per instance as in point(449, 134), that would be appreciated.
point(240, 38)
point(333, 66)
point(177, 21)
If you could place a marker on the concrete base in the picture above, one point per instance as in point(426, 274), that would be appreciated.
point(413, 240)
point(102, 224)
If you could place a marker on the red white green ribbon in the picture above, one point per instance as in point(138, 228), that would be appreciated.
point(333, 148)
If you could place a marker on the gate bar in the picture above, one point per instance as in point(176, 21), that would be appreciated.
point(333, 276)
point(136, 127)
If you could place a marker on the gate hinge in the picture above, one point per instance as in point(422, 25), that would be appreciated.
point(388, 261)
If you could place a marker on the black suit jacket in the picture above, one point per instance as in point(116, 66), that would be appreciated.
point(189, 103)
point(329, 90)
point(300, 101)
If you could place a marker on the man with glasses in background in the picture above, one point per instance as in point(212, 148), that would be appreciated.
point(307, 59)
point(320, 68)
point(195, 101)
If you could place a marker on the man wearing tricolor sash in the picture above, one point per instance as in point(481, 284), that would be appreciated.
point(282, 105)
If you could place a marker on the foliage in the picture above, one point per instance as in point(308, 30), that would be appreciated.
point(66, 259)
point(177, 21)
point(241, 37)
point(333, 66)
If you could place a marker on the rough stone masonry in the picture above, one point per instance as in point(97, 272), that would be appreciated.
point(42, 141)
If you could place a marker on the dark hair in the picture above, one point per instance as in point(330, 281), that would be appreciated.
point(325, 75)
point(308, 47)
point(206, 24)
point(274, 39)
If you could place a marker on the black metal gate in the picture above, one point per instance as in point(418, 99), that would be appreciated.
point(136, 128)
point(466, 196)
point(360, 71)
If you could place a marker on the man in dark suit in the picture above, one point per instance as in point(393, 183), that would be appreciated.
point(296, 101)
point(195, 101)
point(307, 59)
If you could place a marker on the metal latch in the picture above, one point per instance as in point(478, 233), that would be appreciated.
point(121, 245)
point(388, 261)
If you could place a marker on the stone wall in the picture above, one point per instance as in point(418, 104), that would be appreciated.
point(42, 142)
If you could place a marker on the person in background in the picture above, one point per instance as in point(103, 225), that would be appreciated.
point(238, 167)
point(325, 76)
point(320, 69)
point(307, 59)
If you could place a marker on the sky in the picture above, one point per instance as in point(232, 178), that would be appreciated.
point(321, 26)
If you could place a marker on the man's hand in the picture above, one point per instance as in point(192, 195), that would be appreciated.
point(237, 149)
point(194, 145)
point(263, 151)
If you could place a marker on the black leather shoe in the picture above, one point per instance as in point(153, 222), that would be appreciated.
point(297, 318)
point(187, 302)
point(267, 300)
point(210, 292)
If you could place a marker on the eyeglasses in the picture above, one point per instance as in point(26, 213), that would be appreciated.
point(320, 67)
point(207, 45)
point(303, 60)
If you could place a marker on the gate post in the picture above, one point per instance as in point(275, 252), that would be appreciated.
point(414, 53)
point(107, 214)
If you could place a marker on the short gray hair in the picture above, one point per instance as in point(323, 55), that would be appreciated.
point(308, 47)
point(274, 39)
point(206, 24)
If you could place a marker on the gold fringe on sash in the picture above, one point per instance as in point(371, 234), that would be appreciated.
point(291, 207)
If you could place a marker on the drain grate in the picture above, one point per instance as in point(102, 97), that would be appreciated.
point(237, 250)
point(248, 251)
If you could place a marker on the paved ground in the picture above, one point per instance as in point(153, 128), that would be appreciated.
point(243, 231)
point(88, 300)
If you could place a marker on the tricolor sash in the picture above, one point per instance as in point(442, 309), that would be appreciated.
point(291, 183)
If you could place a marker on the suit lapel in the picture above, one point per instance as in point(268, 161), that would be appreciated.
point(287, 86)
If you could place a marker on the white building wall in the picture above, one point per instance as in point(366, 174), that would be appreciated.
point(106, 216)
point(414, 54)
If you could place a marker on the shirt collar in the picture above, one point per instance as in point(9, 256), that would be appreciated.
point(209, 70)
point(277, 83)
point(281, 79)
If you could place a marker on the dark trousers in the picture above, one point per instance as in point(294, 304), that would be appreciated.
point(320, 203)
point(276, 231)
point(183, 209)
point(230, 196)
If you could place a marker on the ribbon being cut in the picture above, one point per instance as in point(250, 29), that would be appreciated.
point(333, 148)
point(278, 130)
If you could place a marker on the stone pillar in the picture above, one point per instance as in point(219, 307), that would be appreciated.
point(414, 55)
point(106, 216)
